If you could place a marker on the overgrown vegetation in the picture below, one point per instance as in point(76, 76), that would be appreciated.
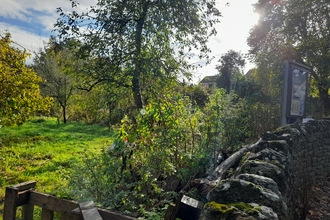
point(153, 157)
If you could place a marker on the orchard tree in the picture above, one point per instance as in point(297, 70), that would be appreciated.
point(19, 94)
point(296, 30)
point(133, 43)
point(56, 65)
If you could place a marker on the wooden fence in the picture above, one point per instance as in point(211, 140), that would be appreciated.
point(23, 194)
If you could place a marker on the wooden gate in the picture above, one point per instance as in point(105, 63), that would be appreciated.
point(23, 194)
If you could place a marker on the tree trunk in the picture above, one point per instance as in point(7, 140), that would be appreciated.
point(137, 60)
point(136, 89)
point(110, 113)
point(220, 170)
point(324, 97)
point(64, 113)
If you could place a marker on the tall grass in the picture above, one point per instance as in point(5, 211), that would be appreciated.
point(44, 151)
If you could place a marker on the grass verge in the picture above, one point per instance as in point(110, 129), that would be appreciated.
point(44, 151)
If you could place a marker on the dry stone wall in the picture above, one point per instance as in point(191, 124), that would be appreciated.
point(273, 181)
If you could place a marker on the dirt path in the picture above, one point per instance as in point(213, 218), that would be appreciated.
point(319, 202)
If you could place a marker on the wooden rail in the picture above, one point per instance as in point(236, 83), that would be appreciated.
point(23, 194)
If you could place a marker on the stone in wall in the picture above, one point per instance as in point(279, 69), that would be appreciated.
point(239, 190)
point(262, 181)
point(265, 169)
point(237, 211)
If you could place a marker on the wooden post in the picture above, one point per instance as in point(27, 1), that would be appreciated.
point(190, 209)
point(27, 209)
point(185, 208)
point(172, 210)
point(47, 214)
point(11, 199)
point(27, 212)
point(89, 211)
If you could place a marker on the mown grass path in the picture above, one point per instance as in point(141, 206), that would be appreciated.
point(44, 151)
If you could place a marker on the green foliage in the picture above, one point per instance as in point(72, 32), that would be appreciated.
point(264, 117)
point(229, 70)
point(197, 94)
point(20, 94)
point(166, 139)
point(166, 131)
point(161, 143)
point(104, 104)
point(131, 43)
point(247, 88)
point(225, 119)
point(259, 87)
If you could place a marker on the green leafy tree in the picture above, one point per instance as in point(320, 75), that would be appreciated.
point(20, 94)
point(230, 69)
point(262, 100)
point(294, 30)
point(55, 64)
point(133, 42)
point(248, 88)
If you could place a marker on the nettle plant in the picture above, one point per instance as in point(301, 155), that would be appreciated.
point(223, 125)
point(164, 138)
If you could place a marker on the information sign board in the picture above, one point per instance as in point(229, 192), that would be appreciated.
point(297, 83)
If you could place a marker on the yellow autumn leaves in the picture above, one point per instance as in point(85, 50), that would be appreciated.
point(20, 95)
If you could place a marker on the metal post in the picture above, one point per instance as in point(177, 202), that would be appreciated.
point(285, 95)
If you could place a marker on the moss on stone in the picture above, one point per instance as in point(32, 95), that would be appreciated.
point(228, 209)
point(224, 209)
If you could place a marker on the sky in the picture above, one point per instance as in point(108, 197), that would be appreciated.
point(31, 22)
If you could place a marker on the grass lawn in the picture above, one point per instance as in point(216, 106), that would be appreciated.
point(46, 152)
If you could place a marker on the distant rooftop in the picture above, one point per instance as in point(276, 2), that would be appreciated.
point(209, 79)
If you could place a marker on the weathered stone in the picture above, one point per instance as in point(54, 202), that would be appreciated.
point(269, 154)
point(237, 211)
point(265, 213)
point(262, 181)
point(279, 145)
point(270, 136)
point(237, 190)
point(264, 169)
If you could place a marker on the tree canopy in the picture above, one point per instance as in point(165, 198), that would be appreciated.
point(134, 42)
point(298, 31)
point(229, 69)
point(19, 95)
point(56, 65)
